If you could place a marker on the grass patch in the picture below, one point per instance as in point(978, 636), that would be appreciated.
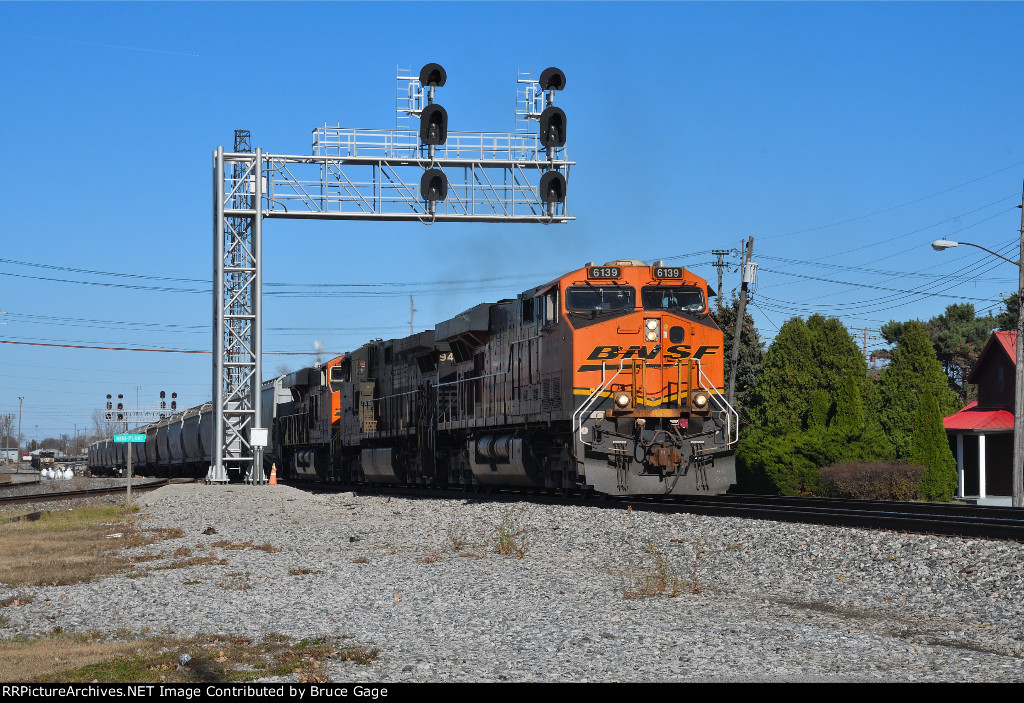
point(658, 579)
point(510, 536)
point(212, 659)
point(228, 544)
point(194, 561)
point(269, 548)
point(457, 537)
point(66, 547)
point(305, 571)
point(361, 560)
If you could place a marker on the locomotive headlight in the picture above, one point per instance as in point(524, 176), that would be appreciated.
point(622, 400)
point(651, 331)
point(699, 400)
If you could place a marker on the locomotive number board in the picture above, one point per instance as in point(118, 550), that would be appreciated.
point(666, 272)
point(604, 272)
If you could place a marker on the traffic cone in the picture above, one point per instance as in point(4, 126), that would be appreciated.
point(273, 474)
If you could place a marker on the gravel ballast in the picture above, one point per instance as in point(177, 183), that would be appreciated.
point(743, 599)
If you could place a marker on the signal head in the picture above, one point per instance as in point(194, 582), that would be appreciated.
point(433, 185)
point(434, 125)
point(433, 75)
point(552, 187)
point(552, 127)
point(551, 79)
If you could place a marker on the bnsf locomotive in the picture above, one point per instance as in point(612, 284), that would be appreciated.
point(609, 379)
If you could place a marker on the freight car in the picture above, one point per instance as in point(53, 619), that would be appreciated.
point(607, 379)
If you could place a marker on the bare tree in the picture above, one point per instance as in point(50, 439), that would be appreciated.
point(6, 429)
point(101, 428)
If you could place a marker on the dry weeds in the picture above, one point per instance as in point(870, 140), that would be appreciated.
point(432, 557)
point(653, 581)
point(73, 546)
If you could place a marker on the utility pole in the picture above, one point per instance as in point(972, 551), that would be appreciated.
point(720, 264)
point(21, 400)
point(412, 312)
point(748, 271)
point(865, 339)
point(1018, 396)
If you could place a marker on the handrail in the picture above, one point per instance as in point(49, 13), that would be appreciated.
point(589, 401)
point(724, 406)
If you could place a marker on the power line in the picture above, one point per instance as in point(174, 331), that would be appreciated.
point(162, 351)
point(893, 207)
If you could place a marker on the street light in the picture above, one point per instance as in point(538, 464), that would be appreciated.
point(1018, 398)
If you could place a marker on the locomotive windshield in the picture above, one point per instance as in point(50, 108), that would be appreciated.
point(672, 298)
point(600, 298)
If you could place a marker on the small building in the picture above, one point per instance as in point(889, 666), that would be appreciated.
point(981, 434)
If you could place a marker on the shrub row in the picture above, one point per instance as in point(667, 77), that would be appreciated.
point(878, 480)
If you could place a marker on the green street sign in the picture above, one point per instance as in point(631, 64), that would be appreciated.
point(121, 438)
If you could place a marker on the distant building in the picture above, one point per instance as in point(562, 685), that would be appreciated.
point(981, 434)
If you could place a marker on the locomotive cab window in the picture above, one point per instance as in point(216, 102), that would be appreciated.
point(600, 298)
point(551, 306)
point(672, 298)
point(337, 374)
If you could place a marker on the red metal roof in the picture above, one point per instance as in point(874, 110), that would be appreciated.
point(974, 418)
point(1009, 342)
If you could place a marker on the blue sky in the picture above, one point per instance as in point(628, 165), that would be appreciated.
point(844, 137)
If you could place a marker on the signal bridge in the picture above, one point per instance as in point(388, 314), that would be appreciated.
point(427, 175)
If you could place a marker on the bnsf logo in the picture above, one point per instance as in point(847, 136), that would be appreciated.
point(676, 351)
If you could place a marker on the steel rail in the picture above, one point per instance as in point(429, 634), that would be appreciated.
point(47, 497)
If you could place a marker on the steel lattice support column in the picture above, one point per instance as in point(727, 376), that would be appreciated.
point(237, 333)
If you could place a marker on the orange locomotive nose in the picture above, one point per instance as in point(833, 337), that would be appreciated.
point(648, 379)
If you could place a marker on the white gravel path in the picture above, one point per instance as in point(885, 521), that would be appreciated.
point(774, 601)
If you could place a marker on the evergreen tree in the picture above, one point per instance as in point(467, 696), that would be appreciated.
point(810, 368)
point(929, 447)
point(913, 369)
point(803, 358)
point(781, 396)
point(849, 408)
point(819, 412)
point(1007, 320)
point(958, 336)
point(751, 354)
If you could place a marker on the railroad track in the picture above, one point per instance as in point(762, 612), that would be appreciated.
point(923, 518)
point(51, 496)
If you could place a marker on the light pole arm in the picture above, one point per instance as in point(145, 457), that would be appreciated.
point(978, 246)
